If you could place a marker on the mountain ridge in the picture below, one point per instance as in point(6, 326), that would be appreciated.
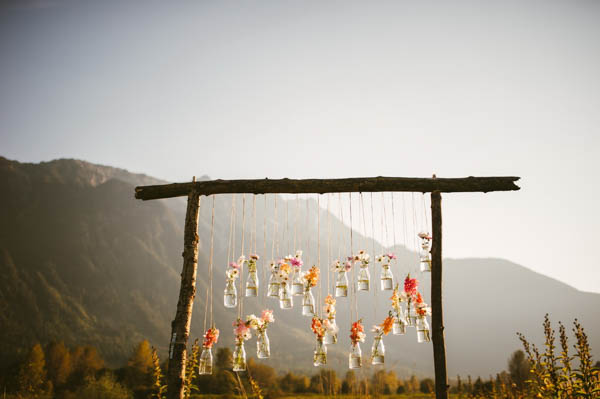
point(82, 260)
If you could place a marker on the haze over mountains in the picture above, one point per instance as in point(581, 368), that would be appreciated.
point(82, 261)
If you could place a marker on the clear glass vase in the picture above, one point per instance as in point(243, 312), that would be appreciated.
point(297, 284)
point(377, 351)
point(320, 354)
point(252, 284)
point(411, 315)
point(205, 364)
point(308, 303)
point(425, 256)
point(263, 346)
point(355, 356)
point(273, 286)
point(364, 279)
point(330, 337)
point(423, 333)
point(387, 279)
point(285, 296)
point(230, 294)
point(239, 356)
point(341, 284)
point(399, 326)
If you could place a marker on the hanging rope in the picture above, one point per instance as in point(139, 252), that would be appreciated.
point(264, 255)
point(328, 246)
point(425, 213)
point(415, 232)
point(319, 307)
point(296, 222)
point(373, 254)
point(352, 283)
point(241, 292)
point(393, 221)
point(210, 262)
point(287, 226)
point(307, 231)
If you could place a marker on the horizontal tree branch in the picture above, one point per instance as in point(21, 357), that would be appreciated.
point(321, 186)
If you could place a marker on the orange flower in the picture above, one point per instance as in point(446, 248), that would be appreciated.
point(387, 324)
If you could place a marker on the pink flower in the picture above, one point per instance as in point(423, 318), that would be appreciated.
point(234, 265)
point(296, 262)
point(267, 316)
point(348, 266)
point(391, 256)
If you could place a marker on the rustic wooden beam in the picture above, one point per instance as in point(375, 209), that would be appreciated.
point(180, 327)
point(437, 316)
point(360, 184)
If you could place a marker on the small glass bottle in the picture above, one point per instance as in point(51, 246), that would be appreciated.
point(239, 356)
point(364, 279)
point(355, 356)
point(308, 303)
point(252, 284)
point(377, 351)
point(399, 326)
point(297, 284)
point(320, 354)
point(387, 279)
point(425, 255)
point(330, 337)
point(205, 364)
point(273, 286)
point(230, 294)
point(263, 346)
point(341, 284)
point(411, 315)
point(285, 297)
point(423, 333)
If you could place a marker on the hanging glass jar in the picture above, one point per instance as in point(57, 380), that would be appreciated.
point(263, 346)
point(205, 364)
point(425, 254)
point(330, 337)
point(387, 279)
point(355, 356)
point(411, 315)
point(285, 297)
point(377, 351)
point(252, 284)
point(239, 356)
point(320, 354)
point(399, 327)
point(308, 303)
point(423, 333)
point(230, 294)
point(364, 278)
point(297, 284)
point(273, 286)
point(341, 284)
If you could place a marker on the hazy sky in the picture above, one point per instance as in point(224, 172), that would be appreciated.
point(329, 89)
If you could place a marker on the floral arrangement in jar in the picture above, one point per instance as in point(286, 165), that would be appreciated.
point(273, 286)
point(205, 364)
point(260, 324)
point(378, 349)
point(387, 278)
point(364, 277)
point(422, 310)
point(332, 328)
point(296, 263)
point(242, 333)
point(309, 279)
point(320, 354)
point(357, 335)
point(410, 290)
point(399, 326)
point(341, 281)
point(252, 283)
point(230, 292)
point(285, 294)
point(424, 253)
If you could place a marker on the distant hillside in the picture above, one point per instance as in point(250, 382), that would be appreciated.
point(83, 261)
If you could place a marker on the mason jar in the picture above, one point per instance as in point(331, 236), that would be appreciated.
point(252, 284)
point(239, 356)
point(308, 303)
point(387, 279)
point(263, 346)
point(423, 333)
point(205, 364)
point(341, 284)
point(355, 356)
point(330, 337)
point(320, 354)
point(230, 294)
point(364, 279)
point(377, 351)
point(285, 297)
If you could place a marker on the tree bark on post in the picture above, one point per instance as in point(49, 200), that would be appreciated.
point(180, 327)
point(437, 316)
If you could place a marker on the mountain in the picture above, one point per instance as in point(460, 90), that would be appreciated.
point(82, 261)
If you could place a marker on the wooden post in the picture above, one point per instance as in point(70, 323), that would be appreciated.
point(437, 316)
point(180, 327)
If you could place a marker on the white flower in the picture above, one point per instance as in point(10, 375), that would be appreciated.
point(298, 253)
